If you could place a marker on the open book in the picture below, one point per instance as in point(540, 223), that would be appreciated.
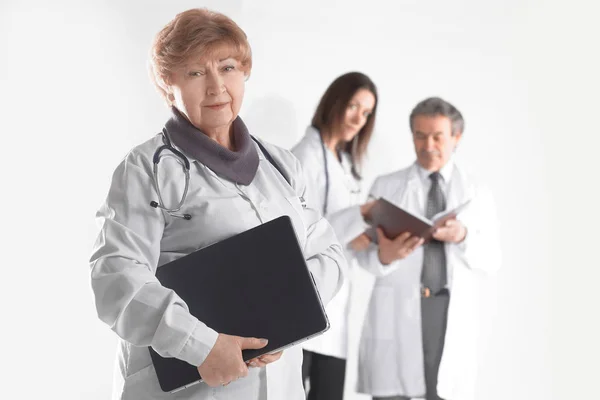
point(394, 220)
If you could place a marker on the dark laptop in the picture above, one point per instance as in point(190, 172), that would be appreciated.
point(254, 284)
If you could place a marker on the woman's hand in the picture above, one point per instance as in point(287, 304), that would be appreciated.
point(262, 361)
point(366, 208)
point(360, 243)
point(224, 363)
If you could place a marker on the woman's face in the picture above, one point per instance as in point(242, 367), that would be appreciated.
point(358, 110)
point(209, 90)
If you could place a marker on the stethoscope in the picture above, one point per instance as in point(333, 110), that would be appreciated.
point(326, 167)
point(326, 174)
point(167, 146)
point(183, 160)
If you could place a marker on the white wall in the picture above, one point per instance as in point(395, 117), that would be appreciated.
point(76, 97)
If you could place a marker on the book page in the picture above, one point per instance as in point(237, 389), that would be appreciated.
point(445, 215)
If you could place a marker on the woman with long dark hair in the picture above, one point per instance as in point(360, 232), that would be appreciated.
point(331, 153)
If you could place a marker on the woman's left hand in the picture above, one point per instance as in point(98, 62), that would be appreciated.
point(360, 243)
point(366, 208)
point(262, 361)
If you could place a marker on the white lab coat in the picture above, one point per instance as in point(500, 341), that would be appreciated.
point(136, 239)
point(343, 213)
point(391, 351)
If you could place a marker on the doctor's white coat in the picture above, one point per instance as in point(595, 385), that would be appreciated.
point(391, 352)
point(136, 239)
point(343, 213)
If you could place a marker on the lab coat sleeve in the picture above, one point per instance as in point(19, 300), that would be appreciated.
point(313, 171)
point(347, 223)
point(324, 255)
point(481, 248)
point(369, 260)
point(129, 298)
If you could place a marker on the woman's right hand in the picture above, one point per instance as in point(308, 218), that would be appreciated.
point(224, 363)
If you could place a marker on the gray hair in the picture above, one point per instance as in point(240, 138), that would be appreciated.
point(435, 106)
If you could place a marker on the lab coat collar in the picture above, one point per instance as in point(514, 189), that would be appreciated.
point(445, 171)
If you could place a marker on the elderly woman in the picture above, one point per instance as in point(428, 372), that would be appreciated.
point(231, 183)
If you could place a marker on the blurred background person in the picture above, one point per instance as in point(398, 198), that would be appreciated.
point(420, 335)
point(331, 153)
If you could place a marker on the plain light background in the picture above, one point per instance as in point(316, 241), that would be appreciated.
point(75, 97)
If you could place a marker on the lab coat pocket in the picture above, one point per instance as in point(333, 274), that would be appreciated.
point(295, 211)
point(380, 316)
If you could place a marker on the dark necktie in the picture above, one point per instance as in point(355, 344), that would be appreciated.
point(433, 275)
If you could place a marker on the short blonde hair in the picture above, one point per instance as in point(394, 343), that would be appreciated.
point(190, 34)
